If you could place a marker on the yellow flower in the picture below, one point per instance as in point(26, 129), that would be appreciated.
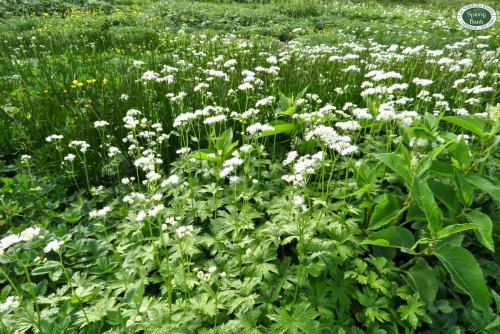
point(80, 84)
point(105, 81)
point(76, 101)
point(75, 82)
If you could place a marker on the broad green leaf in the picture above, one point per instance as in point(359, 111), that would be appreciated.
point(446, 194)
point(423, 165)
point(456, 228)
point(279, 128)
point(224, 140)
point(289, 112)
point(440, 168)
point(204, 154)
point(465, 191)
point(422, 194)
point(484, 233)
point(397, 237)
point(229, 150)
point(396, 163)
point(485, 185)
point(465, 273)
point(472, 124)
point(423, 280)
point(385, 212)
point(462, 155)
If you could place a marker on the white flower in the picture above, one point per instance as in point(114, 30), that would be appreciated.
point(298, 200)
point(10, 240)
point(143, 309)
point(422, 82)
point(70, 157)
point(30, 233)
point(25, 157)
point(212, 269)
point(129, 323)
point(184, 231)
point(54, 245)
point(138, 318)
point(124, 97)
point(100, 124)
point(11, 302)
point(173, 179)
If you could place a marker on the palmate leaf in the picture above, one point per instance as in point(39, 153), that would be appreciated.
point(412, 311)
point(300, 320)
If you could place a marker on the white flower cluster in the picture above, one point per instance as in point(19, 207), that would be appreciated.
point(54, 137)
point(100, 124)
point(11, 302)
point(26, 235)
point(83, 145)
point(100, 213)
point(54, 245)
point(302, 167)
point(184, 231)
point(230, 165)
point(329, 137)
point(257, 128)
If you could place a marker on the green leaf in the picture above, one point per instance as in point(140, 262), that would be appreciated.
point(412, 310)
point(446, 194)
point(396, 163)
point(485, 185)
point(484, 233)
point(385, 212)
point(456, 228)
point(397, 237)
point(422, 194)
point(465, 191)
point(423, 281)
point(465, 273)
point(224, 140)
point(300, 320)
point(203, 154)
point(472, 124)
point(440, 168)
point(278, 128)
point(289, 112)
point(53, 268)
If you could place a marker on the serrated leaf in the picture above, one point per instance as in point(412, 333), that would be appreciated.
point(465, 273)
point(397, 163)
point(485, 185)
point(456, 228)
point(385, 212)
point(395, 236)
point(422, 194)
point(472, 124)
point(483, 234)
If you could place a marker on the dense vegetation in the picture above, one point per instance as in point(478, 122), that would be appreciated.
point(248, 167)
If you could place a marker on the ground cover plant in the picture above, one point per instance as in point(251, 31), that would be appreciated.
point(248, 167)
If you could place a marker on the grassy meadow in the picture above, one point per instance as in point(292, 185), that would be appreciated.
point(267, 166)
